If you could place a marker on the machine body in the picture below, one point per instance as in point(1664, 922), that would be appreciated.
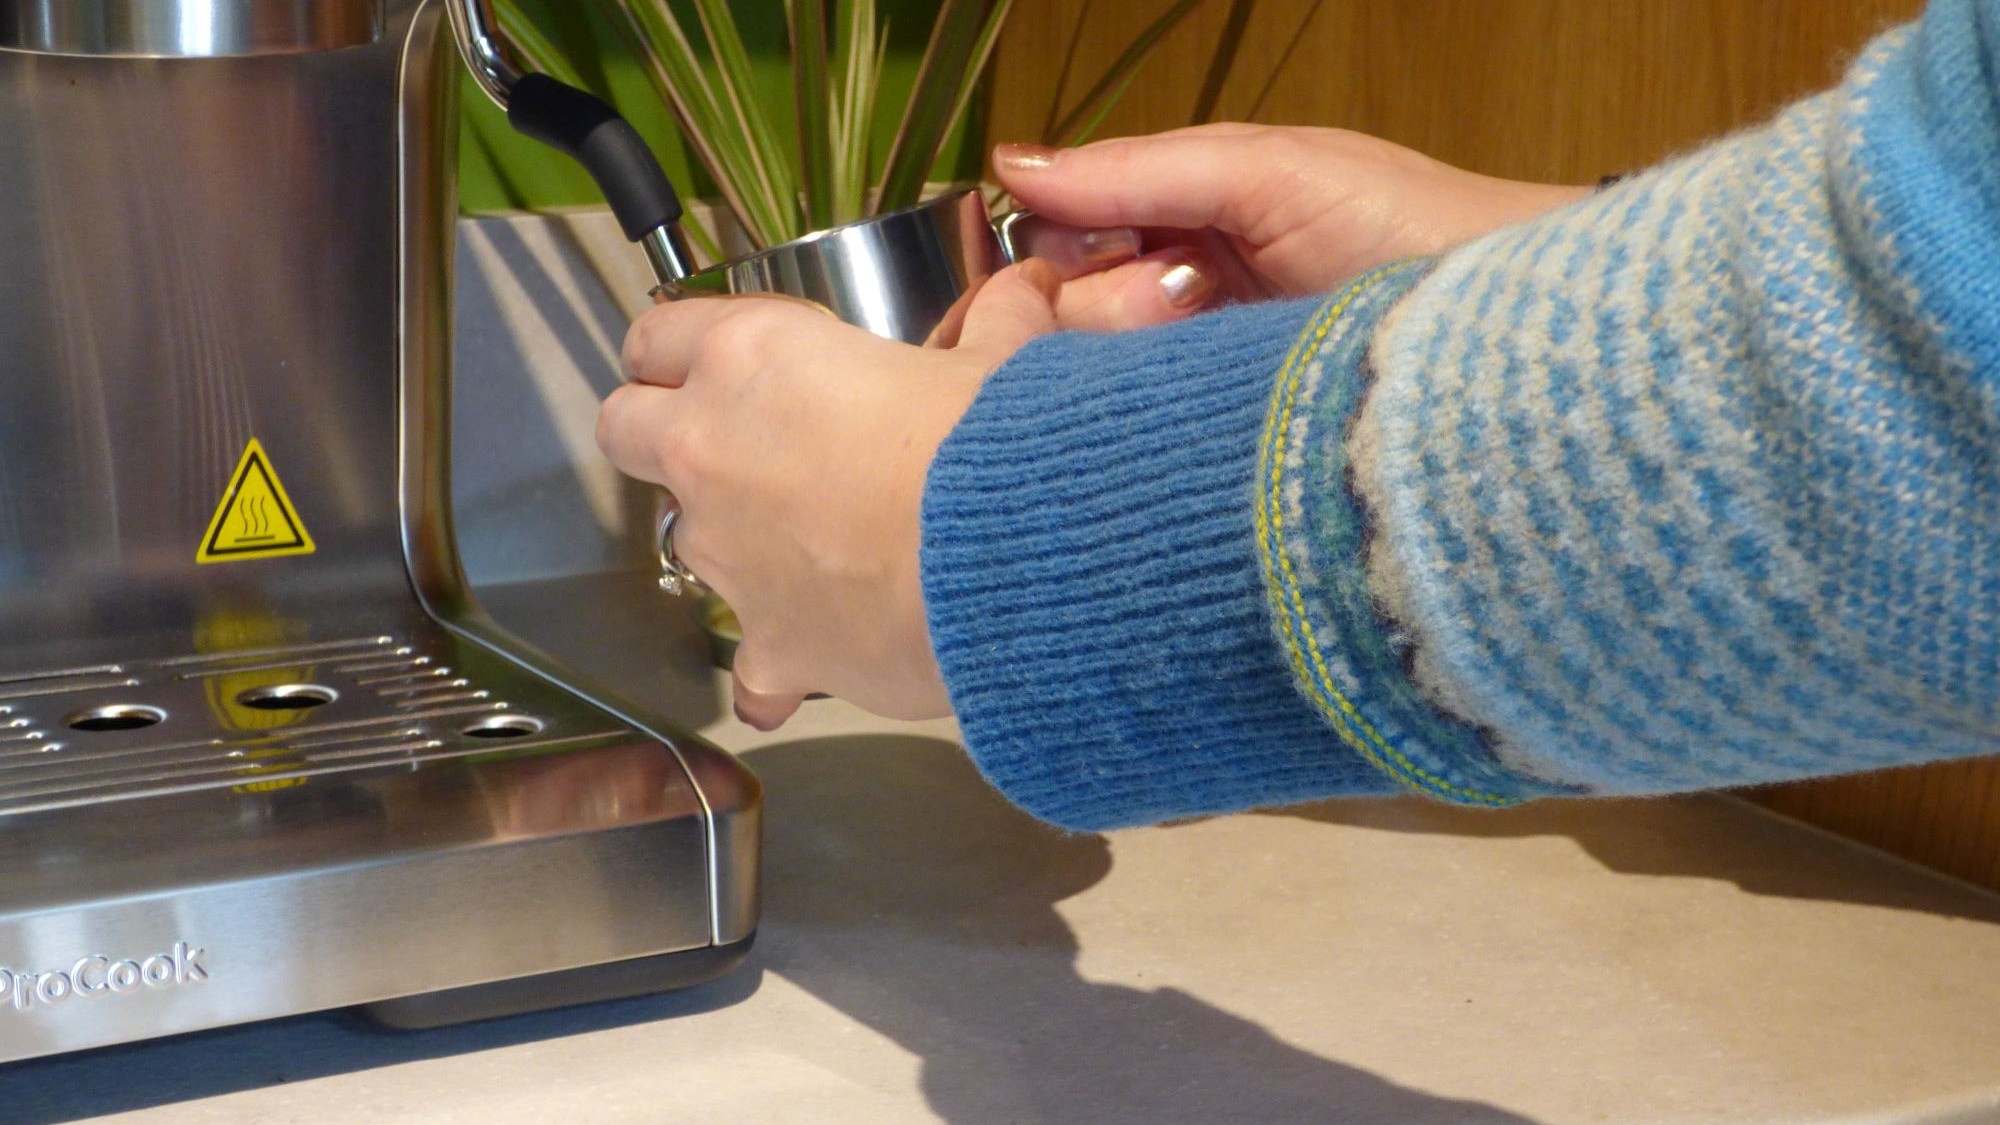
point(261, 750)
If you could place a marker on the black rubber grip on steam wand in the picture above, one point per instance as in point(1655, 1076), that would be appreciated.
point(566, 118)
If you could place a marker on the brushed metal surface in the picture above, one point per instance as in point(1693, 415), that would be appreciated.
point(193, 255)
point(363, 888)
point(186, 28)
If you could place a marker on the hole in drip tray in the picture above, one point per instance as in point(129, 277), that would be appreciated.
point(503, 726)
point(117, 716)
point(288, 697)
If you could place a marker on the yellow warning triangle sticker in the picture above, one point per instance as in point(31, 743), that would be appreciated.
point(256, 519)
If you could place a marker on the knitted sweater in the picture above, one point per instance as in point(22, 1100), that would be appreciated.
point(1693, 483)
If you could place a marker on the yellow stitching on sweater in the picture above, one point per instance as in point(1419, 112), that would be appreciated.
point(1348, 722)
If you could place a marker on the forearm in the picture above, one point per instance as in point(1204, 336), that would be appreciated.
point(1094, 592)
point(1695, 484)
point(1691, 484)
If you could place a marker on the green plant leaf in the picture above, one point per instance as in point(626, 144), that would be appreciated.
point(776, 180)
point(676, 74)
point(812, 94)
point(535, 47)
point(981, 52)
point(1082, 120)
point(860, 66)
point(961, 27)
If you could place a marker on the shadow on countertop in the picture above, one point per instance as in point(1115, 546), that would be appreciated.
point(1704, 836)
point(900, 835)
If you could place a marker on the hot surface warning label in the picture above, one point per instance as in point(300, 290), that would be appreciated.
point(255, 519)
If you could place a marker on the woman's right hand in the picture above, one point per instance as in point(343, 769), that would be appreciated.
point(1272, 211)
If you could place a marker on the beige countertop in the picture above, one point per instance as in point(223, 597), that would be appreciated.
point(930, 954)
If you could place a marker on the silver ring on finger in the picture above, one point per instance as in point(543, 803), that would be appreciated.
point(675, 577)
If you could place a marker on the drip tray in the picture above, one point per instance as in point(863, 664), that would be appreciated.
point(263, 719)
point(351, 821)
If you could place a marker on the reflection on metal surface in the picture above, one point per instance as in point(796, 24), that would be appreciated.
point(897, 275)
point(667, 253)
point(486, 55)
point(187, 28)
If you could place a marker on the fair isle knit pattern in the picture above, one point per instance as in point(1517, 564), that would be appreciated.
point(1698, 482)
point(1694, 483)
point(1311, 538)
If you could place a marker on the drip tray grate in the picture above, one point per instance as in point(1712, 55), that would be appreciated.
point(259, 719)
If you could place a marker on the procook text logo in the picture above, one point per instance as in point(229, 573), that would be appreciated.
point(98, 975)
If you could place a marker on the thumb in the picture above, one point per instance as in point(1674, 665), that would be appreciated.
point(1188, 179)
point(1014, 306)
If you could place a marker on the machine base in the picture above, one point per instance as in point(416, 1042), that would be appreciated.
point(589, 984)
point(225, 863)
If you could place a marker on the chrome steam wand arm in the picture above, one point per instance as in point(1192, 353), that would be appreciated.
point(585, 127)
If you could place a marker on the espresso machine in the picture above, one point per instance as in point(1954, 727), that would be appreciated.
point(263, 750)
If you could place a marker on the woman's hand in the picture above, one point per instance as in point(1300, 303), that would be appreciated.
point(1271, 211)
point(798, 446)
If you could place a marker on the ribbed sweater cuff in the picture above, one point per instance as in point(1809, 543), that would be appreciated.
point(1091, 571)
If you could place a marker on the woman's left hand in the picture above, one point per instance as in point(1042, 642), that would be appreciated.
point(797, 447)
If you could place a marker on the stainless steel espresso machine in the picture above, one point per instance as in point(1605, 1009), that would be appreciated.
point(261, 750)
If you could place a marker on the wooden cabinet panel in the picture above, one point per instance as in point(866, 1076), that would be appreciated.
point(1534, 89)
point(1564, 90)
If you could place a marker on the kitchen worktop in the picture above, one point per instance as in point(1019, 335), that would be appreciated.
point(929, 954)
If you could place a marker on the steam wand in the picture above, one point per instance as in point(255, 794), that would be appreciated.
point(590, 131)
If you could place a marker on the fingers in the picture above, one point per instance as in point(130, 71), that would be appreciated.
point(1155, 289)
point(671, 339)
point(1190, 178)
point(764, 710)
point(638, 428)
point(1014, 306)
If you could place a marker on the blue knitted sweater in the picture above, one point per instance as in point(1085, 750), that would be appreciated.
point(1694, 483)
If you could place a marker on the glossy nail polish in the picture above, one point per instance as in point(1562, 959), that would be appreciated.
point(1109, 246)
point(1016, 157)
point(1186, 286)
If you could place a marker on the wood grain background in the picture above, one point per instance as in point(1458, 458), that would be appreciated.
point(1559, 90)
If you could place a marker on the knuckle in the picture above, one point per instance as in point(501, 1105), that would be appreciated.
point(741, 336)
point(638, 342)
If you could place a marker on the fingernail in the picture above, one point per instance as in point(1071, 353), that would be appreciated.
point(1017, 157)
point(1107, 247)
point(1186, 286)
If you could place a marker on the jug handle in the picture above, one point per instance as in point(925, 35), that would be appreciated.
point(1010, 246)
